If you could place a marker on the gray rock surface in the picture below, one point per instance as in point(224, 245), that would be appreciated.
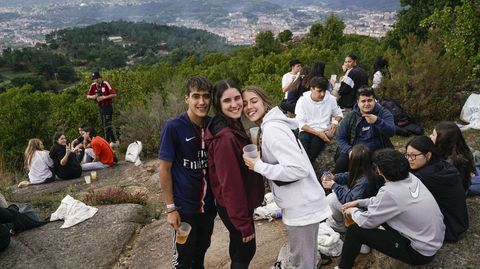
point(95, 243)
point(152, 247)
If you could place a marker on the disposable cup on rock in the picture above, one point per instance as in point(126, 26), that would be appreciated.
point(183, 232)
point(88, 179)
point(250, 150)
point(93, 176)
point(254, 134)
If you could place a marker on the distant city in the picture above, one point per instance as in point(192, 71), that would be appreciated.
point(25, 25)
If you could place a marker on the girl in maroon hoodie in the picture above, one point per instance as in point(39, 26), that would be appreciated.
point(237, 190)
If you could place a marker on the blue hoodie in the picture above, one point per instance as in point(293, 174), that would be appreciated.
point(369, 134)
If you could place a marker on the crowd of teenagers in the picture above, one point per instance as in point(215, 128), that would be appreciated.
point(404, 204)
point(87, 152)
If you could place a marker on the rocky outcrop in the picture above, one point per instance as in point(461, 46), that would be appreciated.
point(152, 247)
point(95, 243)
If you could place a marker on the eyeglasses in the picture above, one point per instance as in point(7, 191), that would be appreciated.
point(412, 157)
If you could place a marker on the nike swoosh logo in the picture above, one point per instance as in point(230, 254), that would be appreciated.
point(416, 192)
point(188, 139)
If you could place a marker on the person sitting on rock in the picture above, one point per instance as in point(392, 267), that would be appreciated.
point(358, 183)
point(443, 180)
point(100, 151)
point(313, 112)
point(65, 163)
point(369, 123)
point(38, 164)
point(413, 228)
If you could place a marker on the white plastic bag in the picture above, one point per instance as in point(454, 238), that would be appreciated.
point(73, 212)
point(329, 242)
point(133, 153)
point(471, 112)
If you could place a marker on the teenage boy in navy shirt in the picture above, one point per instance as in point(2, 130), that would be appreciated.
point(183, 175)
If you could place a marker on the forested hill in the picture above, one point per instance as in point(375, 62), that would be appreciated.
point(141, 42)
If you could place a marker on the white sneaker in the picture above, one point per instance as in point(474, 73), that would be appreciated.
point(365, 249)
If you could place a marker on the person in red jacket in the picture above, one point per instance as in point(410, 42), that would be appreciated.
point(237, 190)
point(103, 93)
point(100, 151)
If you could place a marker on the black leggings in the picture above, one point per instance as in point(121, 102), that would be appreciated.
point(240, 253)
point(388, 241)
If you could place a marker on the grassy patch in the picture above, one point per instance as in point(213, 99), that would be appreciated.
point(114, 196)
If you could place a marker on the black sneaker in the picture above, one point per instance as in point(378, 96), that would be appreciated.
point(325, 260)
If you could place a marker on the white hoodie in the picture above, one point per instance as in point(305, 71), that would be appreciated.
point(316, 114)
point(284, 159)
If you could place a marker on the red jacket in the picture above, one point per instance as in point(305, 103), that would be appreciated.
point(234, 186)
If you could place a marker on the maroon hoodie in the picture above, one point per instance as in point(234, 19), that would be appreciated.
point(234, 186)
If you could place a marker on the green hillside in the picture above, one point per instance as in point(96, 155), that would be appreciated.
point(431, 76)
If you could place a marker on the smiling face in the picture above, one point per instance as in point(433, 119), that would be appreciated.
point(253, 107)
point(417, 159)
point(198, 101)
point(231, 103)
point(62, 140)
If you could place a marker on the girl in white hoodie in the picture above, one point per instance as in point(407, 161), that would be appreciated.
point(292, 179)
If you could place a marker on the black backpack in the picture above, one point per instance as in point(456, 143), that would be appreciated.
point(400, 117)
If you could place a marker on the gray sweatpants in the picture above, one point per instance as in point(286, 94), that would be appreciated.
point(302, 241)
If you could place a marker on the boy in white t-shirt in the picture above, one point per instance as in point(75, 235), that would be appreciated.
point(313, 112)
point(290, 77)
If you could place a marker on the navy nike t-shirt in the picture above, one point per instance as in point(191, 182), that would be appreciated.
point(183, 144)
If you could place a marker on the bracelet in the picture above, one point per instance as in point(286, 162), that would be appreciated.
point(171, 206)
point(170, 211)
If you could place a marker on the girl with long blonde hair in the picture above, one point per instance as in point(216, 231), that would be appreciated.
point(38, 164)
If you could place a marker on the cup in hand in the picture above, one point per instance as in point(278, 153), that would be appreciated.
point(250, 151)
point(333, 78)
point(348, 219)
point(183, 232)
point(254, 135)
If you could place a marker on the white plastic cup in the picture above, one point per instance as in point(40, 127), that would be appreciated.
point(333, 77)
point(254, 135)
point(250, 150)
point(183, 232)
point(88, 180)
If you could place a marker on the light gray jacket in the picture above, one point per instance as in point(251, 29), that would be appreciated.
point(408, 207)
point(284, 159)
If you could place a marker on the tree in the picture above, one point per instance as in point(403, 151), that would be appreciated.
point(285, 36)
point(459, 30)
point(408, 21)
point(327, 35)
point(265, 43)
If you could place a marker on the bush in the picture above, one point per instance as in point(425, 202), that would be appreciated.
point(144, 122)
point(114, 196)
point(426, 80)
